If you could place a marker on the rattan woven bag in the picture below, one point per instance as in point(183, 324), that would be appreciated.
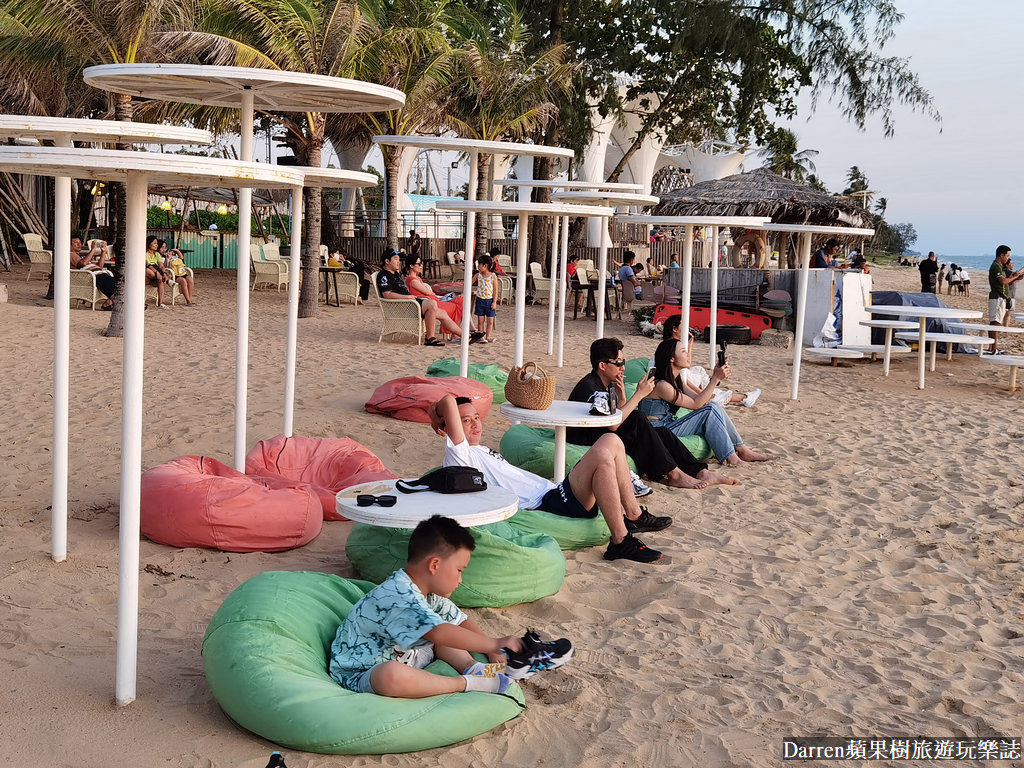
point(530, 387)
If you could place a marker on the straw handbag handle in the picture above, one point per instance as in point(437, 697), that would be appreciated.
point(538, 372)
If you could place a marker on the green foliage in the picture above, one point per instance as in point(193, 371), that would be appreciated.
point(894, 238)
point(157, 218)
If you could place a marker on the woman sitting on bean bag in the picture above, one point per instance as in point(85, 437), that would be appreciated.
point(705, 418)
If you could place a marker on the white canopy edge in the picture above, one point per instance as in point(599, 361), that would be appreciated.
point(529, 209)
point(457, 143)
point(73, 129)
point(565, 184)
point(605, 198)
point(699, 221)
point(272, 89)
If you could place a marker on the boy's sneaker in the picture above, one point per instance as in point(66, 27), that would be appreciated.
point(599, 405)
point(631, 548)
point(639, 489)
point(537, 656)
point(722, 398)
point(751, 398)
point(647, 522)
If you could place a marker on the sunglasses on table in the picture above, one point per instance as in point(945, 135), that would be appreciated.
point(616, 363)
point(367, 499)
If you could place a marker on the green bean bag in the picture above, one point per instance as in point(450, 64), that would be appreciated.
point(533, 449)
point(569, 532)
point(490, 374)
point(508, 566)
point(266, 653)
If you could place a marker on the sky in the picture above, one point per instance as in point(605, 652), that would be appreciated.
point(959, 182)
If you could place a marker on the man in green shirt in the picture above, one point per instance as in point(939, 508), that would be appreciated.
point(999, 281)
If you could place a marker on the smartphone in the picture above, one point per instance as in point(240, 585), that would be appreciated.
point(721, 353)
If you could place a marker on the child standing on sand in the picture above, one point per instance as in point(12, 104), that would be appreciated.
point(486, 289)
point(401, 626)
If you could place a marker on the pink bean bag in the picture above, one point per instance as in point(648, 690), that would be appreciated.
point(409, 398)
point(196, 501)
point(325, 464)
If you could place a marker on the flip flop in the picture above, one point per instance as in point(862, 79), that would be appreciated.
point(432, 342)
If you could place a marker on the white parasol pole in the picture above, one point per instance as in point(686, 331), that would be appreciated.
point(713, 335)
point(131, 440)
point(555, 281)
point(295, 270)
point(562, 285)
point(801, 311)
point(684, 294)
point(521, 249)
point(602, 277)
point(242, 285)
point(470, 247)
point(61, 362)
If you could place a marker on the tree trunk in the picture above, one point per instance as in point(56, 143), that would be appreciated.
point(310, 287)
point(483, 192)
point(123, 110)
point(392, 159)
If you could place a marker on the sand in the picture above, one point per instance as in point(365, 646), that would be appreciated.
point(867, 581)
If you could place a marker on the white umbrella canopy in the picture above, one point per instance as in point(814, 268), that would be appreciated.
point(245, 89)
point(524, 211)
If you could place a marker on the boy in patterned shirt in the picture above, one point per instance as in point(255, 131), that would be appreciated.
point(401, 626)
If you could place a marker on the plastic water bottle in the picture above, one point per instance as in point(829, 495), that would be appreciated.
point(276, 761)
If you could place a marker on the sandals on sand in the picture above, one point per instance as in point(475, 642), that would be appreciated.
point(433, 342)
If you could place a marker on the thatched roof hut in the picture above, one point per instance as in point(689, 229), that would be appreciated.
point(762, 193)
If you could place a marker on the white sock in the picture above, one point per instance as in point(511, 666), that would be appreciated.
point(496, 684)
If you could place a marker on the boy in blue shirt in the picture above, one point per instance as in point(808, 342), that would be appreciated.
point(402, 625)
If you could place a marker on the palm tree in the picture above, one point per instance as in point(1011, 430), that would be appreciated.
point(783, 157)
point(43, 41)
point(509, 92)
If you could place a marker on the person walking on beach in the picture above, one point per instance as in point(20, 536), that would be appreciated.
point(599, 481)
point(928, 268)
point(999, 282)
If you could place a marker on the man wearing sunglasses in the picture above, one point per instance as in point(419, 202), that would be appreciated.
point(599, 481)
point(657, 452)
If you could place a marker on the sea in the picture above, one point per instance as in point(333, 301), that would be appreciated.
point(976, 262)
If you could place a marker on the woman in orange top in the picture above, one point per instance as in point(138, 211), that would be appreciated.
point(452, 318)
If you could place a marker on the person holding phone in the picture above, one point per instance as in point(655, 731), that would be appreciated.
point(704, 417)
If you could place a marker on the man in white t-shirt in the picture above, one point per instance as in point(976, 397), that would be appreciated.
point(599, 481)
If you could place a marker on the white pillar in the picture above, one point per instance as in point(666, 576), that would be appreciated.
point(602, 277)
point(61, 363)
point(470, 247)
point(556, 280)
point(801, 311)
point(713, 335)
point(131, 441)
point(684, 293)
point(562, 284)
point(517, 349)
point(242, 286)
point(295, 272)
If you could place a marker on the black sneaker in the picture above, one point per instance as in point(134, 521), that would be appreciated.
point(631, 548)
point(537, 656)
point(647, 522)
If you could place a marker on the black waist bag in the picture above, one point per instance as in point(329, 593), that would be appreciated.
point(446, 480)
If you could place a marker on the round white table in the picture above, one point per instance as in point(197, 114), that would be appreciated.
point(922, 314)
point(561, 414)
point(468, 509)
point(889, 326)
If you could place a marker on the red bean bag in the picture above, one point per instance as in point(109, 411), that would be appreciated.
point(325, 464)
point(196, 501)
point(409, 398)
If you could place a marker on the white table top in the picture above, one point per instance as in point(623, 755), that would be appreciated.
point(909, 311)
point(989, 328)
point(75, 129)
point(565, 184)
point(562, 413)
point(833, 352)
point(479, 508)
point(461, 144)
point(272, 89)
point(901, 324)
point(873, 349)
point(957, 338)
point(530, 209)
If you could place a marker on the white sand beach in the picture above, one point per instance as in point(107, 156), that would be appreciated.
point(869, 580)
